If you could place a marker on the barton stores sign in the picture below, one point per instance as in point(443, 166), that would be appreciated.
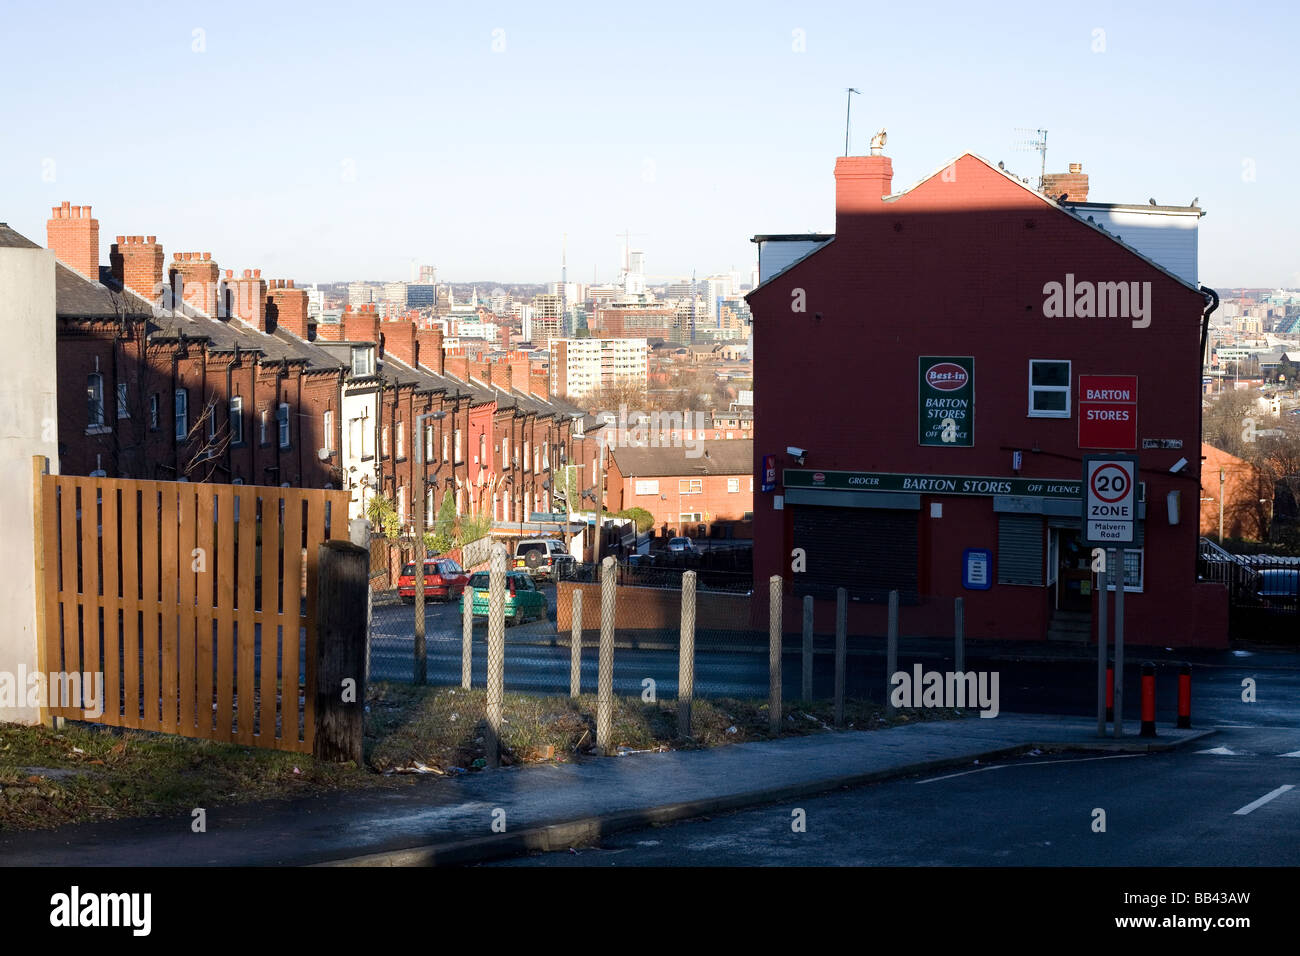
point(946, 400)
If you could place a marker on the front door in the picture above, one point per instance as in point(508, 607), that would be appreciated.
point(1073, 572)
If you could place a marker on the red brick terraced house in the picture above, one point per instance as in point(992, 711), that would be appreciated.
point(1018, 298)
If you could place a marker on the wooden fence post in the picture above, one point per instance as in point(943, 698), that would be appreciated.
point(343, 576)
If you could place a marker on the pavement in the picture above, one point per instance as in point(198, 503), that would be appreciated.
point(502, 813)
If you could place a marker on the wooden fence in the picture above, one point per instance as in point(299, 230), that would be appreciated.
point(196, 602)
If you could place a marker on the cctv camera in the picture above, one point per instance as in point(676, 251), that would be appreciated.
point(1179, 465)
point(796, 452)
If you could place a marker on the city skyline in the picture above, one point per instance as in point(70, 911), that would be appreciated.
point(306, 147)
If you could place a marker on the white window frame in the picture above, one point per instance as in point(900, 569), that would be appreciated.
point(647, 486)
point(694, 486)
point(456, 447)
point(733, 486)
point(94, 400)
point(236, 420)
point(122, 409)
point(401, 440)
point(282, 421)
point(181, 408)
point(327, 423)
point(367, 361)
point(1052, 389)
point(1130, 586)
point(153, 412)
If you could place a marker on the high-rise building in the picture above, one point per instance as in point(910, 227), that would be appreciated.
point(428, 276)
point(581, 367)
point(360, 293)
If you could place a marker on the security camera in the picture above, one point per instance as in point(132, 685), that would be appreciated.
point(1179, 465)
point(797, 453)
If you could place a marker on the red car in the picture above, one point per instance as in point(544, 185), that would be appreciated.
point(444, 579)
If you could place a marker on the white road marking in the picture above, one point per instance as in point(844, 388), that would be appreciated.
point(1294, 753)
point(1221, 752)
point(1036, 763)
point(1256, 804)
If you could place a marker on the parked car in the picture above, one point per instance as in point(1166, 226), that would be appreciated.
point(543, 558)
point(1278, 588)
point(682, 546)
point(444, 579)
point(524, 602)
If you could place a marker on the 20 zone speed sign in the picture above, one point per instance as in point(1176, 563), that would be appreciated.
point(1109, 499)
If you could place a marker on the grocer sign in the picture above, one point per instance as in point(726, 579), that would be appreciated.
point(1109, 499)
point(931, 484)
point(946, 400)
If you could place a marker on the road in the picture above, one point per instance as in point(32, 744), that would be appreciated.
point(1201, 806)
point(1026, 685)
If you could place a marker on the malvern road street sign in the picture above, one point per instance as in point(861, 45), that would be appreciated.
point(1109, 499)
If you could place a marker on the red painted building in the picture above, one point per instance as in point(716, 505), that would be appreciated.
point(972, 285)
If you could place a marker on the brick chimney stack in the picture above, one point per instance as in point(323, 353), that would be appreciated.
point(361, 325)
point(73, 236)
point(860, 182)
point(430, 349)
point(287, 307)
point(1074, 184)
point(137, 263)
point(401, 341)
point(195, 280)
point(248, 299)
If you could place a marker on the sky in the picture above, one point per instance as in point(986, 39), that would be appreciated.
point(332, 141)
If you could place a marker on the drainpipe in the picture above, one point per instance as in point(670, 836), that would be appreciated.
point(1211, 303)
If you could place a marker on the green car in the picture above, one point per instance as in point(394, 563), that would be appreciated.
point(524, 602)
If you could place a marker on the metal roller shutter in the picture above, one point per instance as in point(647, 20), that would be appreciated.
point(1020, 549)
point(868, 552)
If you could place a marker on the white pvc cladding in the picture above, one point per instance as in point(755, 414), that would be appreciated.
point(1166, 237)
point(777, 254)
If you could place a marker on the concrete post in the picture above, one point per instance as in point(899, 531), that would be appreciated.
point(841, 651)
point(686, 657)
point(496, 652)
point(774, 654)
point(605, 675)
point(467, 638)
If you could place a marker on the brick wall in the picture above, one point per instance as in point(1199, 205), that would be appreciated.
point(195, 279)
point(137, 263)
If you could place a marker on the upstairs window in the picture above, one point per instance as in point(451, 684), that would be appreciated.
point(94, 399)
point(282, 416)
point(182, 414)
point(122, 410)
point(1049, 388)
point(363, 361)
point(236, 420)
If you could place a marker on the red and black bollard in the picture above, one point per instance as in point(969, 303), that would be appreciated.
point(1148, 700)
point(1185, 697)
point(1110, 690)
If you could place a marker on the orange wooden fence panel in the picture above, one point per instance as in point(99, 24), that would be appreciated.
point(186, 608)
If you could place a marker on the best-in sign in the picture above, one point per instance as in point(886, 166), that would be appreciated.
point(1109, 499)
point(1108, 411)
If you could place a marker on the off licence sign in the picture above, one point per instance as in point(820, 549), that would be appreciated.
point(1109, 499)
point(1108, 411)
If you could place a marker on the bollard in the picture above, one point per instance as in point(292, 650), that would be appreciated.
point(1185, 697)
point(575, 643)
point(774, 654)
point(605, 662)
point(891, 653)
point(686, 657)
point(496, 657)
point(1148, 728)
point(841, 650)
point(466, 637)
point(1110, 691)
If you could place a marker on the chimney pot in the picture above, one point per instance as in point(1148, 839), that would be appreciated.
point(1076, 167)
point(152, 240)
point(121, 240)
point(257, 273)
point(248, 273)
point(290, 283)
point(230, 274)
point(207, 256)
